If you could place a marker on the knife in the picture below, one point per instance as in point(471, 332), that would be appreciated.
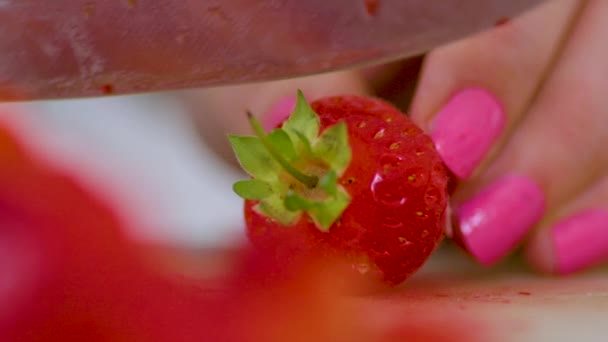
point(82, 48)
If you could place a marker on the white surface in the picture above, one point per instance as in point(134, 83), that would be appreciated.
point(147, 148)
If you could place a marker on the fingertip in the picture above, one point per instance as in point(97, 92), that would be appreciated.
point(491, 224)
point(279, 112)
point(575, 243)
point(466, 128)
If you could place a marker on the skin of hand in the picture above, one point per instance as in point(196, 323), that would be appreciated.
point(518, 114)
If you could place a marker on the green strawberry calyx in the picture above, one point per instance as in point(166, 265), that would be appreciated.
point(295, 169)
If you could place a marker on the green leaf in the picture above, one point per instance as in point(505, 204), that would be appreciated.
point(295, 202)
point(333, 147)
point(328, 211)
point(303, 120)
point(305, 146)
point(324, 213)
point(252, 189)
point(268, 156)
point(275, 208)
point(282, 143)
point(329, 183)
point(308, 180)
point(254, 157)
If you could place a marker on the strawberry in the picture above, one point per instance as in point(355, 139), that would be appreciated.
point(347, 176)
point(70, 272)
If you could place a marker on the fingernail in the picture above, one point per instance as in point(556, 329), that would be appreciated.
point(278, 113)
point(495, 220)
point(465, 129)
point(580, 241)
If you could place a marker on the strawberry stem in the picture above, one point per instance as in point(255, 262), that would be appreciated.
point(309, 181)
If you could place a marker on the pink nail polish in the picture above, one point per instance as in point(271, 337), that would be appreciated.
point(465, 129)
point(278, 113)
point(580, 241)
point(493, 222)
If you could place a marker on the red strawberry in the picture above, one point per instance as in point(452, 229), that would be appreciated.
point(70, 273)
point(350, 176)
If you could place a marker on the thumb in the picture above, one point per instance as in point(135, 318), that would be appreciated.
point(219, 111)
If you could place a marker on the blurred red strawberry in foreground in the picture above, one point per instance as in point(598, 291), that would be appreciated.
point(69, 273)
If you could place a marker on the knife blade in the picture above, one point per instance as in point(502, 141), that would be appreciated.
point(81, 48)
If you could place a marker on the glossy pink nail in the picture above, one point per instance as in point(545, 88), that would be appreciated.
point(493, 222)
point(465, 129)
point(278, 113)
point(580, 241)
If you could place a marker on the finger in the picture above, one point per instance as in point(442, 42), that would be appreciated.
point(576, 237)
point(472, 93)
point(555, 153)
point(222, 110)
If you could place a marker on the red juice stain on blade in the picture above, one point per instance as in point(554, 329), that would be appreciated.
point(502, 21)
point(107, 89)
point(88, 9)
point(371, 6)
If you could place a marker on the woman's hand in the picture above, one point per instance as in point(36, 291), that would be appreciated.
point(519, 115)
